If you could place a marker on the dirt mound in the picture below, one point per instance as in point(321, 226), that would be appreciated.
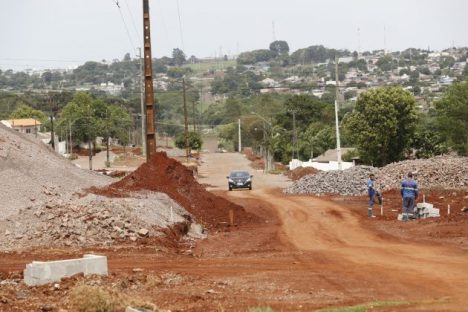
point(166, 175)
point(300, 172)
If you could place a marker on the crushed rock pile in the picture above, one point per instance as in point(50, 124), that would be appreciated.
point(30, 172)
point(441, 172)
point(351, 181)
point(166, 175)
point(43, 202)
point(91, 220)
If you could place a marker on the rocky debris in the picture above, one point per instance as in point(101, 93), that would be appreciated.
point(30, 173)
point(92, 220)
point(441, 172)
point(351, 182)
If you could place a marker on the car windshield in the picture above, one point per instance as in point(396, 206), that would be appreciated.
point(239, 174)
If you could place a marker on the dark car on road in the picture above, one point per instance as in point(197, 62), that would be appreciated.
point(239, 179)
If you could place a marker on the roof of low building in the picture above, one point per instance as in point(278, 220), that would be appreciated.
point(331, 154)
point(24, 122)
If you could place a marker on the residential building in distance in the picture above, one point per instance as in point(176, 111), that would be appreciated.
point(24, 125)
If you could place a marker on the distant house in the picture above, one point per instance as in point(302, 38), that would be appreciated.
point(268, 82)
point(24, 125)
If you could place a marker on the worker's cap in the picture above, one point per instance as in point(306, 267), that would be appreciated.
point(410, 174)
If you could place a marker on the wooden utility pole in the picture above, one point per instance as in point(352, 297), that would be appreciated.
point(187, 152)
point(149, 95)
point(142, 104)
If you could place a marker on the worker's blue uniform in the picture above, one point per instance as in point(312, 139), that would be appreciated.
point(409, 192)
point(372, 195)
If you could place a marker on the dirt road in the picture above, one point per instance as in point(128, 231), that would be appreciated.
point(305, 254)
point(384, 266)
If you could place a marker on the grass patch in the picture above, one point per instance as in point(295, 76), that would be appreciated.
point(85, 298)
point(261, 309)
point(367, 306)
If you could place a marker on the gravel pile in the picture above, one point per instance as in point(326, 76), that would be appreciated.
point(45, 201)
point(29, 172)
point(441, 172)
point(351, 181)
point(444, 172)
point(90, 220)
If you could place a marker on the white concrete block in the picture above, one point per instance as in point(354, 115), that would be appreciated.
point(40, 272)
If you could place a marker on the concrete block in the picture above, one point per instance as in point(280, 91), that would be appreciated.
point(40, 272)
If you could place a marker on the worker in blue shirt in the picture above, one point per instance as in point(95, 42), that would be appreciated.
point(373, 194)
point(409, 193)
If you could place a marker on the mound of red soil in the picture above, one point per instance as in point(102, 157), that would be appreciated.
point(299, 172)
point(166, 175)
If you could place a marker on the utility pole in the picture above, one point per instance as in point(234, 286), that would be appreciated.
point(187, 152)
point(149, 95)
point(194, 120)
point(337, 93)
point(294, 135)
point(142, 104)
point(240, 141)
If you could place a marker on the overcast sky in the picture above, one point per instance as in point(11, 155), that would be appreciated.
point(62, 33)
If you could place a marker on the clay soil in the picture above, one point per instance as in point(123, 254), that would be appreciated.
point(296, 253)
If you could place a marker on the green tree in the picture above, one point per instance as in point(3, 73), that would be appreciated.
point(178, 56)
point(382, 124)
point(385, 63)
point(427, 141)
point(115, 125)
point(25, 111)
point(84, 116)
point(452, 116)
point(195, 141)
point(279, 47)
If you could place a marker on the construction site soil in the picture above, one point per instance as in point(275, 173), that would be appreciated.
point(291, 253)
point(300, 172)
point(166, 175)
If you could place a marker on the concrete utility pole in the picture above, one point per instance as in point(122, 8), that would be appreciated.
point(240, 139)
point(337, 93)
point(187, 151)
point(142, 104)
point(294, 136)
point(149, 95)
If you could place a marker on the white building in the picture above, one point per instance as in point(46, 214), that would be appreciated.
point(23, 125)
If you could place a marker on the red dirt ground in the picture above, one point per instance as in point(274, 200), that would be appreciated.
point(292, 253)
point(166, 175)
point(299, 172)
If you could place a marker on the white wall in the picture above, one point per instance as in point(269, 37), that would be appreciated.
point(332, 165)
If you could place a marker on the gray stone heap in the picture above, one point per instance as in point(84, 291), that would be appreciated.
point(441, 172)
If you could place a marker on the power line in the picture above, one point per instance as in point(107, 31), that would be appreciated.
point(125, 24)
point(133, 21)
